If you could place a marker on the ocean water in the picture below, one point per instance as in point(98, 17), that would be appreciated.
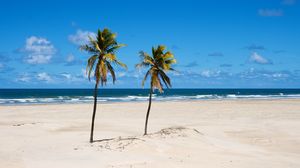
point(46, 96)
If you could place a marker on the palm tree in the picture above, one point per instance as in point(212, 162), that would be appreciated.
point(103, 53)
point(160, 62)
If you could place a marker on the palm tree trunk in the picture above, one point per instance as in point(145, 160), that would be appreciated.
point(148, 112)
point(94, 112)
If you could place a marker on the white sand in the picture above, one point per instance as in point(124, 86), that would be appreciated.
point(231, 133)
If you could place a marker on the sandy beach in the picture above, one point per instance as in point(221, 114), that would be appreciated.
point(208, 134)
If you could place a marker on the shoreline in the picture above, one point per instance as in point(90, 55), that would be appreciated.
point(153, 100)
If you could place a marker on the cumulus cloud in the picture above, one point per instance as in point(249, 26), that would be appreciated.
point(39, 50)
point(270, 12)
point(72, 60)
point(215, 54)
point(67, 76)
point(210, 73)
point(24, 78)
point(84, 73)
point(280, 75)
point(43, 76)
point(256, 58)
point(81, 37)
point(121, 74)
point(253, 73)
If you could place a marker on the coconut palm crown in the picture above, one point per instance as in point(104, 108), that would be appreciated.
point(159, 63)
point(103, 50)
point(103, 55)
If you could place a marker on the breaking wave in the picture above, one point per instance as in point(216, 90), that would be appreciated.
point(133, 98)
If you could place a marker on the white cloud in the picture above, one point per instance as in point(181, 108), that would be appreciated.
point(84, 73)
point(280, 75)
point(44, 77)
point(209, 73)
point(81, 37)
point(121, 74)
point(270, 12)
point(264, 74)
point(70, 58)
point(40, 50)
point(256, 58)
point(176, 73)
point(67, 75)
point(24, 78)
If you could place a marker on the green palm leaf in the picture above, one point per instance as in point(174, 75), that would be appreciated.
point(103, 48)
point(90, 65)
point(160, 62)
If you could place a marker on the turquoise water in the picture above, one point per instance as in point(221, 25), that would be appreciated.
point(40, 96)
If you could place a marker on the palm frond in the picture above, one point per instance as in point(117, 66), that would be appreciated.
point(88, 48)
point(97, 72)
point(94, 44)
point(110, 57)
point(158, 52)
point(156, 83)
point(103, 72)
point(168, 55)
point(146, 58)
point(121, 64)
point(165, 79)
point(90, 65)
point(142, 65)
point(100, 39)
point(170, 61)
point(145, 78)
point(111, 70)
point(114, 48)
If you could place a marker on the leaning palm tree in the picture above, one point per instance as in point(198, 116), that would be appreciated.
point(103, 53)
point(159, 63)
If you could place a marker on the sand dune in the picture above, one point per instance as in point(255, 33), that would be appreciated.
point(231, 133)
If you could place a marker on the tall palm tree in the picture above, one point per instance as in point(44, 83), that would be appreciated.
point(103, 53)
point(159, 63)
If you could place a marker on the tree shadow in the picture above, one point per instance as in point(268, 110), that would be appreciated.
point(117, 139)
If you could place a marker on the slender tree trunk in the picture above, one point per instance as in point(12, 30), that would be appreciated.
point(94, 112)
point(148, 112)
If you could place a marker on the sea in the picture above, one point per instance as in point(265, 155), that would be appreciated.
point(59, 96)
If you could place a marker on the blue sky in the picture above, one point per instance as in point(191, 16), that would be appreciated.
point(218, 44)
